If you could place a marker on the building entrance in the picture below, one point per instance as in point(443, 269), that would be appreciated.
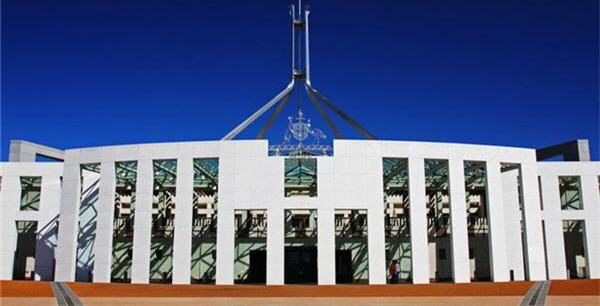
point(301, 265)
point(250, 265)
point(343, 266)
point(24, 260)
point(258, 267)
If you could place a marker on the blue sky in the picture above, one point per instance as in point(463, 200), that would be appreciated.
point(90, 73)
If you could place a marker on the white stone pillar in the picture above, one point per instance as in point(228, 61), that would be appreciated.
point(10, 199)
point(497, 227)
point(591, 205)
point(104, 230)
point(46, 231)
point(326, 246)
point(142, 223)
point(182, 243)
point(555, 248)
point(536, 262)
point(275, 246)
point(87, 227)
point(376, 241)
point(458, 218)
point(512, 215)
point(68, 224)
point(225, 243)
point(418, 221)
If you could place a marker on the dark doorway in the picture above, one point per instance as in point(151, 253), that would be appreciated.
point(258, 267)
point(574, 237)
point(343, 266)
point(24, 256)
point(301, 265)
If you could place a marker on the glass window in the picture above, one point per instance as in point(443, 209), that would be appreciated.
point(204, 220)
point(397, 220)
point(163, 220)
point(300, 177)
point(477, 220)
point(31, 187)
point(124, 210)
point(570, 192)
point(438, 218)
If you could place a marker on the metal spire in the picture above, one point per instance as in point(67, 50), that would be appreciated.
point(300, 72)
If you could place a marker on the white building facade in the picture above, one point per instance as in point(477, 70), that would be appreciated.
point(227, 212)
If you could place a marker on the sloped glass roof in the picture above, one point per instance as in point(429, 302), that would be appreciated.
point(126, 173)
point(395, 172)
point(206, 172)
point(300, 171)
point(165, 172)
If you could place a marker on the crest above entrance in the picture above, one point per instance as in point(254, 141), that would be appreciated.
point(299, 130)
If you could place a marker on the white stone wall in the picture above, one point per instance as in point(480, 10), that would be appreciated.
point(46, 216)
point(513, 217)
point(589, 173)
point(87, 229)
point(350, 179)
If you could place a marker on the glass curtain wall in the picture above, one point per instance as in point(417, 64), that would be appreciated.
point(397, 220)
point(123, 221)
point(477, 220)
point(204, 220)
point(163, 217)
point(438, 220)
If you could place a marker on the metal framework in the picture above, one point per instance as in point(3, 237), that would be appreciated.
point(300, 177)
point(300, 64)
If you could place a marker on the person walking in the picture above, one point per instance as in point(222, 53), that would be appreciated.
point(392, 270)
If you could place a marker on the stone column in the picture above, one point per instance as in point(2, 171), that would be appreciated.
point(275, 246)
point(69, 220)
point(104, 230)
point(376, 247)
point(458, 218)
point(555, 251)
point(182, 242)
point(10, 199)
point(326, 246)
point(512, 215)
point(225, 243)
point(497, 227)
point(418, 221)
point(142, 223)
point(532, 217)
point(591, 205)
